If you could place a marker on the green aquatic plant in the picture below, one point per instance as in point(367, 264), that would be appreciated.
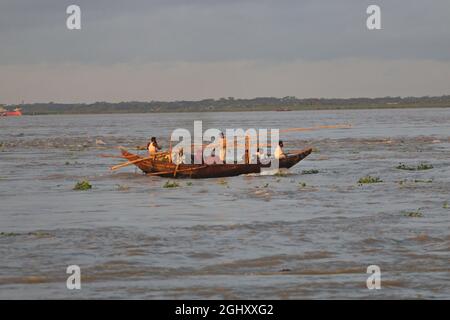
point(82, 185)
point(189, 184)
point(39, 234)
point(404, 181)
point(170, 184)
point(414, 214)
point(302, 184)
point(422, 166)
point(445, 205)
point(403, 166)
point(423, 181)
point(75, 163)
point(9, 234)
point(312, 171)
point(369, 179)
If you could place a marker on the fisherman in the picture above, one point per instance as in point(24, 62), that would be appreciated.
point(153, 147)
point(259, 155)
point(179, 157)
point(279, 153)
point(223, 147)
point(213, 159)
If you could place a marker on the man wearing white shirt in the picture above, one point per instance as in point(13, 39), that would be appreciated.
point(279, 153)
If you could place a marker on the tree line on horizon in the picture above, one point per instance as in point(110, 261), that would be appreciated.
point(233, 104)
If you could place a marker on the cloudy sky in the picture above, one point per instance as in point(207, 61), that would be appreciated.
point(193, 49)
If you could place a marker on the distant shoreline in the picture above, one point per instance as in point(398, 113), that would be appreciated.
point(243, 110)
point(236, 105)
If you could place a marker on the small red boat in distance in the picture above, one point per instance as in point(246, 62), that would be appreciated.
point(5, 113)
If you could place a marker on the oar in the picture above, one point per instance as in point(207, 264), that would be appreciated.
point(130, 163)
point(175, 171)
point(153, 157)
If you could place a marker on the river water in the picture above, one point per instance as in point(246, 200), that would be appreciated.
point(289, 236)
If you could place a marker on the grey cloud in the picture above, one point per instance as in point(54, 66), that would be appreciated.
point(277, 31)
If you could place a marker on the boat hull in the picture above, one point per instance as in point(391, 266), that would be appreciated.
point(202, 171)
point(11, 114)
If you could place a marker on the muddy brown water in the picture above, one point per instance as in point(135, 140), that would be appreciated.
point(261, 236)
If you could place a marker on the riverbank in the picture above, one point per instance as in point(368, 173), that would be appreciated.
point(236, 105)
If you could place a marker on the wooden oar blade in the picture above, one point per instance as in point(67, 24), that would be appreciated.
point(128, 163)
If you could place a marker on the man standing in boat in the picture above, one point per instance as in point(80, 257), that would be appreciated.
point(153, 147)
point(279, 153)
point(223, 147)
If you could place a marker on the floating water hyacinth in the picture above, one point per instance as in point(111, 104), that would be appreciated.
point(39, 234)
point(369, 179)
point(8, 234)
point(405, 181)
point(170, 184)
point(423, 181)
point(422, 166)
point(82, 186)
point(414, 214)
point(312, 171)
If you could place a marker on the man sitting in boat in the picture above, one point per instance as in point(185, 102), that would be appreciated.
point(259, 155)
point(153, 147)
point(179, 157)
point(279, 153)
point(213, 159)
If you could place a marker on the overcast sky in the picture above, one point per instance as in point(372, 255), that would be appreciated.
point(194, 49)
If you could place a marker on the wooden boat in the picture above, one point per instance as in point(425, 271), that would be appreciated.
point(197, 171)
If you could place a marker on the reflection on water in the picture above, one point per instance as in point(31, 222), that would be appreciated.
point(294, 235)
